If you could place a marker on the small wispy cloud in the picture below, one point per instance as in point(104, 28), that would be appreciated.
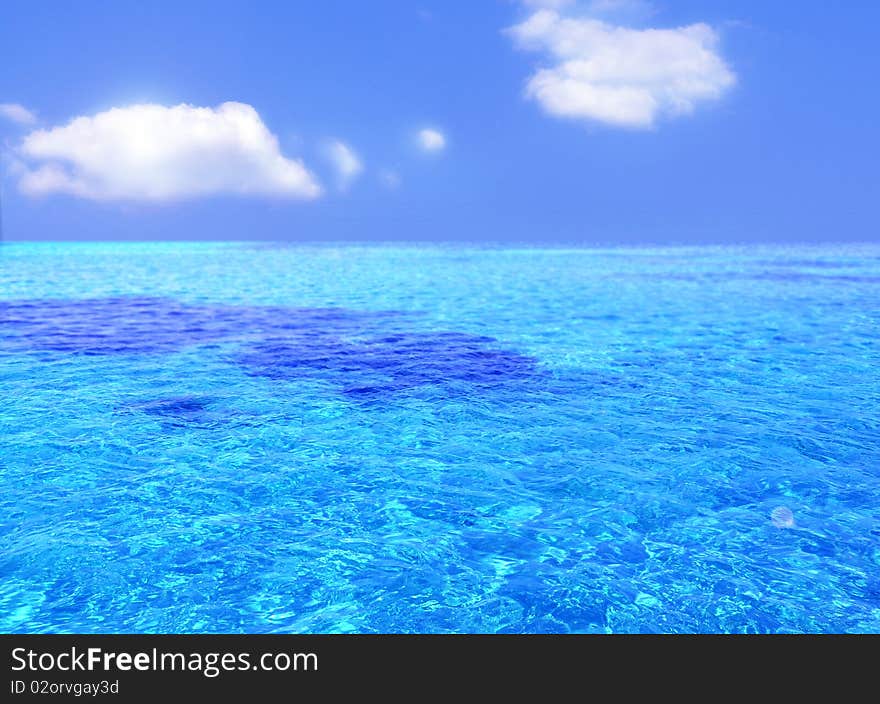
point(618, 8)
point(592, 8)
point(552, 4)
point(347, 164)
point(431, 140)
point(16, 113)
point(389, 178)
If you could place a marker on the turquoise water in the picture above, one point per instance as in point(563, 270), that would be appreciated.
point(262, 438)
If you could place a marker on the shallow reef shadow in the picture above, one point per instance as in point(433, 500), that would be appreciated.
point(365, 354)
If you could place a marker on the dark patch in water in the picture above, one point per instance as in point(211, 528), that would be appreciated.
point(352, 349)
point(176, 410)
point(390, 363)
point(809, 263)
point(780, 275)
point(173, 407)
point(803, 276)
point(145, 325)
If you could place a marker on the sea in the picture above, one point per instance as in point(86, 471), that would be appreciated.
point(269, 437)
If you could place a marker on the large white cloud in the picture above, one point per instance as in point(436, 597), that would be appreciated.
point(17, 113)
point(155, 153)
point(621, 76)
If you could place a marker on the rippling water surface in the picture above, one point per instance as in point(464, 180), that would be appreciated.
point(257, 438)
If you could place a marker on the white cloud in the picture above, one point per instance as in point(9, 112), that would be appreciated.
point(389, 178)
point(555, 4)
point(156, 153)
point(621, 76)
point(347, 164)
point(593, 8)
point(431, 140)
point(612, 7)
point(17, 113)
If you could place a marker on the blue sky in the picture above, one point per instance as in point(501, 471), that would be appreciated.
point(745, 122)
